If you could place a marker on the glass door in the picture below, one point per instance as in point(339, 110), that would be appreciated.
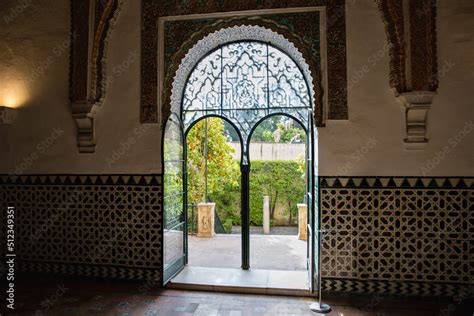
point(174, 210)
point(311, 200)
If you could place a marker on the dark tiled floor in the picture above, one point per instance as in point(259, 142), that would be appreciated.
point(98, 297)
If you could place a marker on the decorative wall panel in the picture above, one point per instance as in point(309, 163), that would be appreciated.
point(185, 34)
point(403, 229)
point(101, 225)
point(386, 235)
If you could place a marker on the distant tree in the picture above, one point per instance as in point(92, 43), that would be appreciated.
point(221, 167)
point(279, 129)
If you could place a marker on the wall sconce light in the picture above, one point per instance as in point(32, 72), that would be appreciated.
point(7, 115)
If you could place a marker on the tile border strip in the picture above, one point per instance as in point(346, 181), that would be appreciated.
point(397, 288)
point(81, 179)
point(336, 182)
point(126, 273)
point(399, 182)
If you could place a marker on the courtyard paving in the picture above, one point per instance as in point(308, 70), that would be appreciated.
point(270, 252)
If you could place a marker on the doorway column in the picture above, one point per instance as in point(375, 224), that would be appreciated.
point(245, 213)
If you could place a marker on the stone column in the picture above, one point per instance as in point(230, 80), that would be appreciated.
point(302, 221)
point(266, 215)
point(206, 220)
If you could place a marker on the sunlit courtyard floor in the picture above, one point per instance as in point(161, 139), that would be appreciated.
point(270, 252)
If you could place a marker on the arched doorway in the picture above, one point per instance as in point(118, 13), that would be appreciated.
point(245, 82)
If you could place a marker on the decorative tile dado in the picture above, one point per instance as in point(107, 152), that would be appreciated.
point(398, 228)
point(97, 225)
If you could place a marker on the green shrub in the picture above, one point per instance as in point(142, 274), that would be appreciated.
point(282, 181)
point(227, 225)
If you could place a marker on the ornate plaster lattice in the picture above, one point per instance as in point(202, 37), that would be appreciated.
point(303, 23)
point(243, 81)
point(227, 35)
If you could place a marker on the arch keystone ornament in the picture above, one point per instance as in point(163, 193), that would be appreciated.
point(91, 25)
point(411, 32)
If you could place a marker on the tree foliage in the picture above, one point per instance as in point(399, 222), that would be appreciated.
point(279, 129)
point(221, 167)
point(282, 181)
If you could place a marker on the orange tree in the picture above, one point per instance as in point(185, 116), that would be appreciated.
point(222, 169)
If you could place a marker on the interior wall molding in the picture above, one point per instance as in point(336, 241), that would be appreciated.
point(411, 32)
point(92, 22)
point(178, 43)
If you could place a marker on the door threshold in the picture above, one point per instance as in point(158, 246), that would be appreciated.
point(253, 281)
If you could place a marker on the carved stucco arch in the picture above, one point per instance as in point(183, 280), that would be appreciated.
point(209, 39)
point(223, 36)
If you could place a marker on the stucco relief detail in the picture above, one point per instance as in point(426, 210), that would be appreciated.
point(92, 24)
point(299, 26)
point(411, 33)
point(235, 33)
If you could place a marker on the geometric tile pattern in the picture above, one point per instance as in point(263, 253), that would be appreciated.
point(394, 235)
point(101, 221)
point(398, 229)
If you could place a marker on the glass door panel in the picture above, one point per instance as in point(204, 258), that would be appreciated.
point(174, 230)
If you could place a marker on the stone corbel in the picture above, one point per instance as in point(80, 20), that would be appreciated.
point(84, 115)
point(416, 105)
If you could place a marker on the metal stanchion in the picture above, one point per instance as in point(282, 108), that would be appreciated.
point(319, 307)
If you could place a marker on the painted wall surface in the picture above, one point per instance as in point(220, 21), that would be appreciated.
point(370, 142)
point(34, 67)
point(34, 70)
point(271, 151)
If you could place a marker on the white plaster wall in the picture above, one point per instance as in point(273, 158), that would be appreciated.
point(271, 151)
point(370, 142)
point(33, 37)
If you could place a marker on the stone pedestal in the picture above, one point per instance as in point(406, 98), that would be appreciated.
point(266, 215)
point(302, 221)
point(206, 220)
